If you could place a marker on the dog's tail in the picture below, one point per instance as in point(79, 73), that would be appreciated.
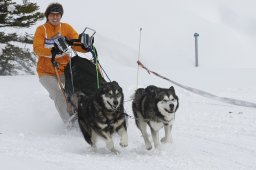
point(86, 131)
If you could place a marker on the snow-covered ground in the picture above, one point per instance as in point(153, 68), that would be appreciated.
point(207, 134)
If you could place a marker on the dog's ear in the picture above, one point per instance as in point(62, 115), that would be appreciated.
point(173, 92)
point(172, 89)
point(115, 83)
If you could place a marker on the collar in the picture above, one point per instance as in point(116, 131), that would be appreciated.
point(52, 27)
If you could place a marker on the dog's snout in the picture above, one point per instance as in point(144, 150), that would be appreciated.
point(171, 106)
point(115, 102)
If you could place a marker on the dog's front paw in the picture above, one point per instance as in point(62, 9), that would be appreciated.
point(149, 147)
point(166, 140)
point(115, 151)
point(124, 139)
point(123, 144)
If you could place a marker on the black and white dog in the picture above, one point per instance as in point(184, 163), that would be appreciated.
point(102, 114)
point(155, 107)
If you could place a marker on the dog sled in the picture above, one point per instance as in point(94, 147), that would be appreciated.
point(81, 74)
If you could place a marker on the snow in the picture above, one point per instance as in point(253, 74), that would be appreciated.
point(11, 8)
point(207, 134)
point(2, 46)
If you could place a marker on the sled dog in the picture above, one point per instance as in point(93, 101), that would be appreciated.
point(102, 114)
point(155, 107)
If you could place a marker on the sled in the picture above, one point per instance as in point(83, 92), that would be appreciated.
point(81, 76)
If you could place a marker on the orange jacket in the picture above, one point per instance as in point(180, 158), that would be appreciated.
point(43, 42)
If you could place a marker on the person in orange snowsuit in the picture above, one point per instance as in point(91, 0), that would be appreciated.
point(44, 48)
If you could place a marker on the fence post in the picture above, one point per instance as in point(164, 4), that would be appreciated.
point(196, 49)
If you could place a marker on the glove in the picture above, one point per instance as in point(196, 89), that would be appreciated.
point(87, 38)
point(55, 50)
point(86, 41)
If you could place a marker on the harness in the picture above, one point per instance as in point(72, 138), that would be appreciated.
point(108, 121)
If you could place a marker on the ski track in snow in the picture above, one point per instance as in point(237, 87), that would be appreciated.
point(207, 135)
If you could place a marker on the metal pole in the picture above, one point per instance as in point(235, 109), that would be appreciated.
point(196, 49)
point(138, 60)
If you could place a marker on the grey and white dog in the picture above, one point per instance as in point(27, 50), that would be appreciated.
point(155, 107)
point(102, 114)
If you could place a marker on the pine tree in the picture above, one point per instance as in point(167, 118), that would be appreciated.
point(15, 57)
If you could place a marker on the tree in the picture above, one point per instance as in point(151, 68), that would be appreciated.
point(15, 56)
